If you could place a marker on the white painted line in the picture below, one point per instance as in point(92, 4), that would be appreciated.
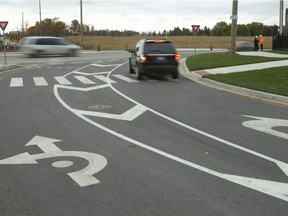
point(40, 81)
point(84, 80)
point(62, 80)
point(129, 115)
point(16, 82)
point(98, 65)
point(56, 63)
point(275, 189)
point(127, 79)
point(104, 78)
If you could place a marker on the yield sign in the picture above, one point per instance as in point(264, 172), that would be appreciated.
point(3, 25)
point(195, 28)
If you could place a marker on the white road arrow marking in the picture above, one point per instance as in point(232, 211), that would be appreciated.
point(45, 144)
point(275, 189)
point(266, 125)
point(82, 177)
point(129, 115)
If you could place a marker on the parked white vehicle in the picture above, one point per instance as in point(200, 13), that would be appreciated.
point(45, 45)
point(9, 44)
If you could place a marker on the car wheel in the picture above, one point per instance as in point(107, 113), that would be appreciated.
point(37, 53)
point(175, 75)
point(71, 52)
point(138, 72)
point(131, 70)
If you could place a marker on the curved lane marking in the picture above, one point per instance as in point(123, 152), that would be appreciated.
point(275, 189)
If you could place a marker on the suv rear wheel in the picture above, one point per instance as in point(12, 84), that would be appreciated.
point(131, 70)
point(175, 75)
point(138, 72)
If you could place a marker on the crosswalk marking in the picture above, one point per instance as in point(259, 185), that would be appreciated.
point(127, 79)
point(84, 80)
point(16, 82)
point(104, 78)
point(40, 81)
point(62, 80)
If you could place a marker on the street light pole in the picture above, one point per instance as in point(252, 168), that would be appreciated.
point(40, 17)
point(281, 17)
point(81, 23)
point(234, 18)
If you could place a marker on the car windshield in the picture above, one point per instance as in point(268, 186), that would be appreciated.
point(156, 47)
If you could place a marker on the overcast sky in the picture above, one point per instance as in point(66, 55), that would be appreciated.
point(140, 15)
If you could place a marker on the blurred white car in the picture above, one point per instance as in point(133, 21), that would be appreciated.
point(41, 45)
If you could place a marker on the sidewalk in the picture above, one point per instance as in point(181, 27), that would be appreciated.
point(4, 67)
point(249, 67)
point(196, 76)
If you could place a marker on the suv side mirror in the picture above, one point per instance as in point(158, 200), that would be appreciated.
point(131, 50)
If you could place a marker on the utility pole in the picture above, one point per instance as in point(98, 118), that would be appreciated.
point(22, 24)
point(40, 17)
point(234, 18)
point(81, 23)
point(281, 17)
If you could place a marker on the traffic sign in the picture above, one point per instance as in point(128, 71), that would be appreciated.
point(14, 37)
point(3, 25)
point(195, 28)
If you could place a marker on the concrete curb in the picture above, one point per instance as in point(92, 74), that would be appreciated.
point(4, 68)
point(230, 88)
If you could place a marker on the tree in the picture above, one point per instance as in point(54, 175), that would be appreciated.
point(221, 29)
point(186, 32)
point(177, 32)
point(256, 28)
point(59, 28)
point(243, 30)
point(75, 27)
point(49, 27)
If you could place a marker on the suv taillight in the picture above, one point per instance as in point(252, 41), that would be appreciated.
point(143, 58)
point(177, 57)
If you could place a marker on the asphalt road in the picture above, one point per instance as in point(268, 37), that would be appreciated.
point(76, 143)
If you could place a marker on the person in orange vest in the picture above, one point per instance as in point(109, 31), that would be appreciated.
point(261, 42)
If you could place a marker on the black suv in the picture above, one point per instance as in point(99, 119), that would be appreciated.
point(154, 56)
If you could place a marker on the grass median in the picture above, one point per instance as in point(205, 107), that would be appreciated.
point(272, 80)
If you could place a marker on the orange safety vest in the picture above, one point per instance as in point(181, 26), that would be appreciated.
point(261, 41)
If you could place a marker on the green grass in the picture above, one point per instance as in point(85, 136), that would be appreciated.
point(272, 80)
point(216, 60)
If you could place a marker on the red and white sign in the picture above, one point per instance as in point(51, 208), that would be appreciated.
point(3, 25)
point(195, 28)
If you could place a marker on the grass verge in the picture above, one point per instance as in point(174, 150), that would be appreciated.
point(216, 60)
point(271, 80)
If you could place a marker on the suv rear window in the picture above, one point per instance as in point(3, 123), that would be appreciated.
point(163, 47)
